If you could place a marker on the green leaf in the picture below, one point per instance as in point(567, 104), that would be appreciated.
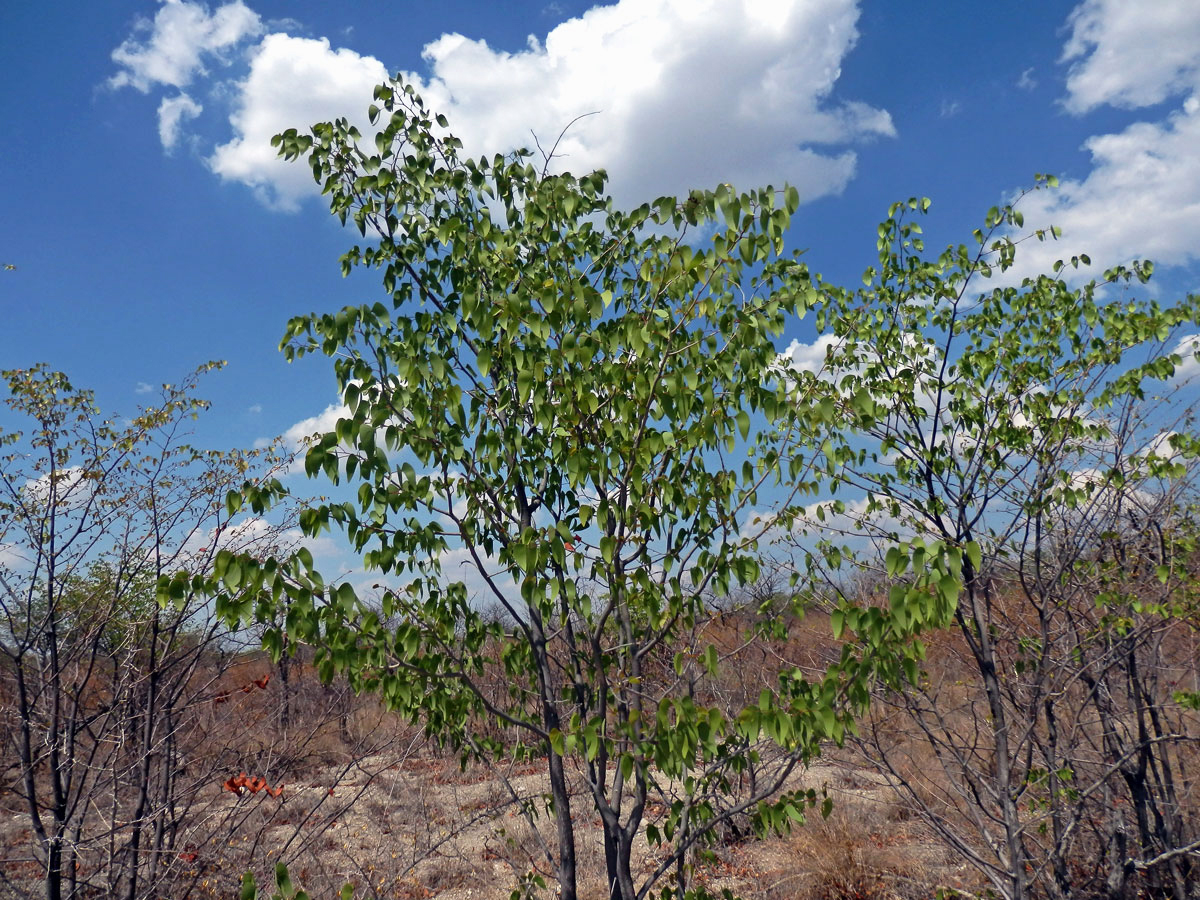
point(711, 660)
point(974, 555)
point(233, 575)
point(283, 881)
point(791, 199)
point(743, 423)
point(895, 561)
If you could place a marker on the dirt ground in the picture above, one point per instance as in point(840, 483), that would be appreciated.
point(424, 829)
point(420, 827)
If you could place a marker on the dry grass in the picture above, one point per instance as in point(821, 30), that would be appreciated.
point(867, 849)
point(418, 827)
point(366, 800)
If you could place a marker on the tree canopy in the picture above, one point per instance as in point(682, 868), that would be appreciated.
point(585, 407)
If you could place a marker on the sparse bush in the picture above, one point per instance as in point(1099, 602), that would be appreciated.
point(1034, 429)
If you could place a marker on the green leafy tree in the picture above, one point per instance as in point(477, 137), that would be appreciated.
point(582, 406)
point(1034, 424)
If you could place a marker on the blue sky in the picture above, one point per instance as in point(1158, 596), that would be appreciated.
point(152, 229)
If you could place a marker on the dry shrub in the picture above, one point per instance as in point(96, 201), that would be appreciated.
point(858, 853)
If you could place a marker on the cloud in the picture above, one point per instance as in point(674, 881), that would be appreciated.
point(853, 519)
point(297, 438)
point(1131, 54)
point(950, 109)
point(1161, 445)
point(458, 564)
point(251, 534)
point(293, 83)
point(324, 547)
point(1140, 200)
point(12, 558)
point(143, 388)
point(1027, 82)
point(1107, 501)
point(181, 36)
point(687, 93)
point(1187, 348)
point(299, 434)
point(809, 357)
point(815, 357)
point(849, 523)
point(245, 533)
point(171, 113)
point(67, 489)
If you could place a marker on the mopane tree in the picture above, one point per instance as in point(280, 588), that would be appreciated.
point(1034, 423)
point(98, 683)
point(580, 406)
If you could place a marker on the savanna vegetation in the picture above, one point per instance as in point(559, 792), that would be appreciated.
point(919, 617)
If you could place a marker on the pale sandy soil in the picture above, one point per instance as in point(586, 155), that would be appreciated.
point(421, 828)
point(425, 829)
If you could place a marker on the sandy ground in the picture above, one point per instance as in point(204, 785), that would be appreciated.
point(425, 829)
point(415, 827)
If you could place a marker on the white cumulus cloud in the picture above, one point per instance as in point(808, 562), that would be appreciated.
point(12, 558)
point(177, 42)
point(803, 357)
point(1141, 198)
point(459, 564)
point(171, 114)
point(296, 439)
point(324, 422)
point(1131, 54)
point(293, 83)
point(1189, 366)
point(65, 489)
point(686, 93)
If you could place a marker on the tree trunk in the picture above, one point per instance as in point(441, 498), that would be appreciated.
point(611, 864)
point(566, 828)
point(54, 868)
point(976, 629)
point(285, 684)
